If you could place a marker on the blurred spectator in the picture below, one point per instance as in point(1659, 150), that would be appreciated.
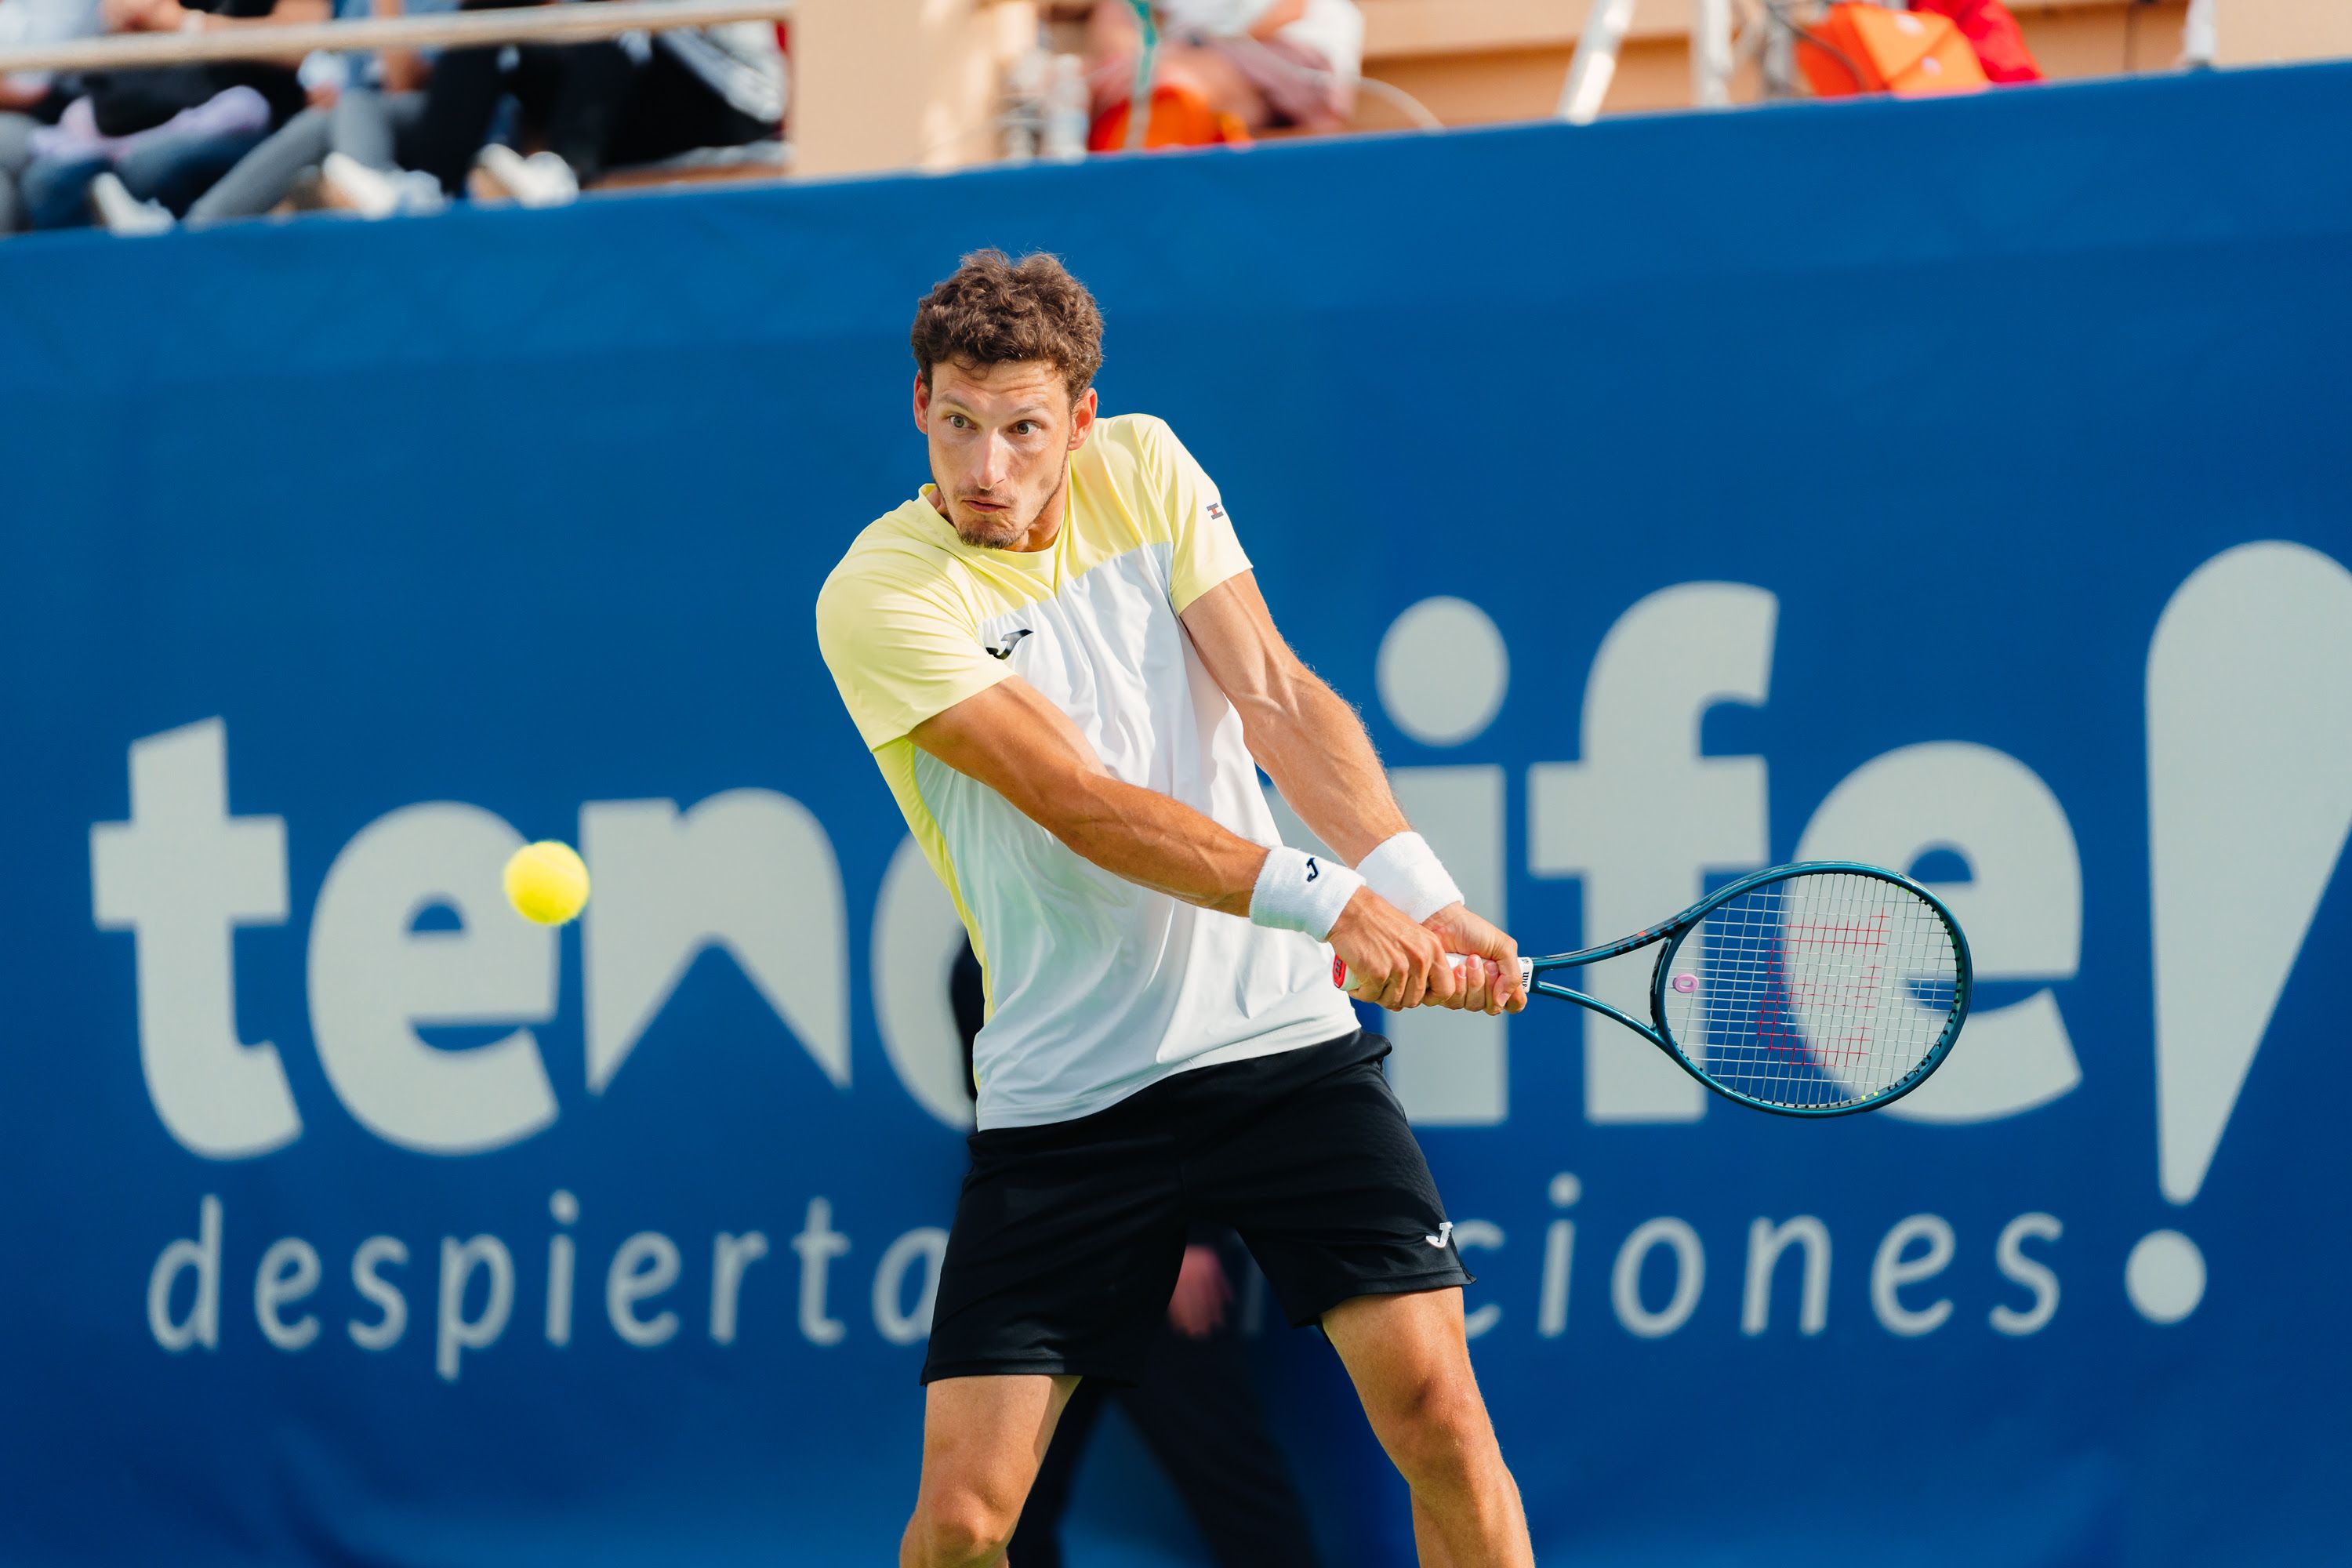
point(1196, 1408)
point(632, 100)
point(361, 105)
point(28, 98)
point(1261, 64)
point(160, 136)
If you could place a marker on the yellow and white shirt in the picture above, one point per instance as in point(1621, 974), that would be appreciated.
point(1097, 987)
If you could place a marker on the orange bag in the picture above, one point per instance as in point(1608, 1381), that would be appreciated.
point(1179, 118)
point(1861, 47)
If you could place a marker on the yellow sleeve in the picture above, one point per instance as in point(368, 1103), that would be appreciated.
point(1207, 551)
point(898, 654)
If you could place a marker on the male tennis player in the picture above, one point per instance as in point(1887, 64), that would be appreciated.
point(1062, 663)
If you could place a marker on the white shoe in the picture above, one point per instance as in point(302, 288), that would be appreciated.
point(351, 184)
point(541, 180)
point(123, 213)
point(378, 192)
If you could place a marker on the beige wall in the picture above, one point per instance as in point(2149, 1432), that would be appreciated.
point(899, 84)
point(2265, 32)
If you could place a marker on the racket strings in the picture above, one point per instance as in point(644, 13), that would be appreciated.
point(1815, 990)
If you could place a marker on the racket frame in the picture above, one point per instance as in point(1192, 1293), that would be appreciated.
point(1672, 933)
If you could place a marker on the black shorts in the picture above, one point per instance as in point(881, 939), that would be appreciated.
point(1067, 1236)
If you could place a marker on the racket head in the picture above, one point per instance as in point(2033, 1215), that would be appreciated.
point(1820, 989)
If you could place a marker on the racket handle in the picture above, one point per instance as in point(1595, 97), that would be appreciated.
point(1340, 976)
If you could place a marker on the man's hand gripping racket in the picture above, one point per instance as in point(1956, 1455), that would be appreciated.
point(1456, 961)
point(1812, 990)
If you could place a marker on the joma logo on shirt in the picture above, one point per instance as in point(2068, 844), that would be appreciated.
point(1004, 650)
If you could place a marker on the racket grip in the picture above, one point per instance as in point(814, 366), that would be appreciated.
point(1340, 976)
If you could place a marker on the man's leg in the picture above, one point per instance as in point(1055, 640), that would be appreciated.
point(1410, 1364)
point(1037, 1539)
point(982, 1440)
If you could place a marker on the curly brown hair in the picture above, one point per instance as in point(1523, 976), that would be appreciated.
point(993, 310)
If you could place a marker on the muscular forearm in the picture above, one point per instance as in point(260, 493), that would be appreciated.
point(1011, 739)
point(1156, 842)
point(1028, 751)
point(1314, 747)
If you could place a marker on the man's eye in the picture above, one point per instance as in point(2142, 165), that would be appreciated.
point(1026, 427)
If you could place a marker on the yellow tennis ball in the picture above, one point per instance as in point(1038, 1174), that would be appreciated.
point(546, 882)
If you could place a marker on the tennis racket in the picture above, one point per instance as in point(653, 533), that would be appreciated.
point(1818, 989)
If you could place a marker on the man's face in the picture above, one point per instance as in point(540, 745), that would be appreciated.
point(1000, 440)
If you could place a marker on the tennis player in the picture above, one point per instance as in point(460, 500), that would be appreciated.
point(1060, 660)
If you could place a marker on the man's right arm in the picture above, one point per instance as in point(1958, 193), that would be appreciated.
point(1012, 738)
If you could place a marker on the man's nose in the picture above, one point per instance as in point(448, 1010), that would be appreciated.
point(995, 462)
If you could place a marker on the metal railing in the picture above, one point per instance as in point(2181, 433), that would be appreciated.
point(453, 29)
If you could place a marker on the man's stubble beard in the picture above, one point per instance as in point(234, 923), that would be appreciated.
point(1001, 535)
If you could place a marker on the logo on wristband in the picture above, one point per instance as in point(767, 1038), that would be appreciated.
point(1313, 870)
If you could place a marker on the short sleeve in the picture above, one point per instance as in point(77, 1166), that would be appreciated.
point(897, 655)
point(1206, 549)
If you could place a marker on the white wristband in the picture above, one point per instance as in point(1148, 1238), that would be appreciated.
point(1406, 872)
point(1298, 891)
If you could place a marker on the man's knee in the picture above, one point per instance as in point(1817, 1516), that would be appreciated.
point(956, 1526)
point(1440, 1437)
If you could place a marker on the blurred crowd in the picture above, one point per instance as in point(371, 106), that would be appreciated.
point(400, 132)
point(409, 131)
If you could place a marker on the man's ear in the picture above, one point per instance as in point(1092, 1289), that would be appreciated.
point(1082, 419)
point(922, 403)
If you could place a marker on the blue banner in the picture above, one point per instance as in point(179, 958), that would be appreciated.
point(1958, 486)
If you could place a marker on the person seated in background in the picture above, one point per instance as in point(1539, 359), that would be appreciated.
point(30, 98)
point(1226, 66)
point(360, 107)
point(161, 135)
point(634, 100)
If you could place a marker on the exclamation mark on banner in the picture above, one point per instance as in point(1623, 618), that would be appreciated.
point(2250, 795)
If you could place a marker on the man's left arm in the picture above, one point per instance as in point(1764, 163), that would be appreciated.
point(1314, 748)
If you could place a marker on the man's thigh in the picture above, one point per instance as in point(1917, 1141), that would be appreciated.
point(987, 1435)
